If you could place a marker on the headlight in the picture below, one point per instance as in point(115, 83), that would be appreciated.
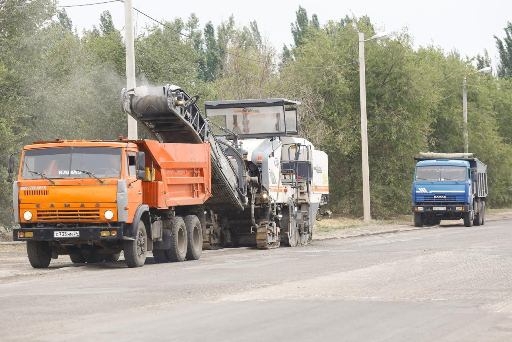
point(109, 214)
point(27, 215)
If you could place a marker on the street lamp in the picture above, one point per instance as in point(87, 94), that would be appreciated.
point(364, 126)
point(465, 106)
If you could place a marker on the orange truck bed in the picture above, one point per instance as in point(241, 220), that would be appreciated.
point(176, 174)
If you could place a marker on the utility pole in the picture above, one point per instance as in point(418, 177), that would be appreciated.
point(465, 113)
point(130, 61)
point(364, 132)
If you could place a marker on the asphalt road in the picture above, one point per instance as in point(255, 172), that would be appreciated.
point(447, 283)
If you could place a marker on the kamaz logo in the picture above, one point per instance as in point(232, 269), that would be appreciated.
point(422, 190)
point(439, 196)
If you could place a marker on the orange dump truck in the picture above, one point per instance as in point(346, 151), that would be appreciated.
point(93, 199)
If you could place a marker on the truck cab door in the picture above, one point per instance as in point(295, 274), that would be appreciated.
point(134, 185)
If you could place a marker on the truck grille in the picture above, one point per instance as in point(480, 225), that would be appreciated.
point(436, 199)
point(30, 192)
point(68, 215)
point(439, 199)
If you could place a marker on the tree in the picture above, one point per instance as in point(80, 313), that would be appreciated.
point(505, 51)
point(248, 68)
point(166, 55)
point(300, 29)
point(106, 44)
point(213, 64)
point(20, 22)
point(64, 20)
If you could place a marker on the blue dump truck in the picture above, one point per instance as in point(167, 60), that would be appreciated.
point(449, 186)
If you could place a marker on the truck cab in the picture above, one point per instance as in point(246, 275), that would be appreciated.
point(77, 198)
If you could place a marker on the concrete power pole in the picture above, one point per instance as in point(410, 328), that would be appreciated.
point(364, 132)
point(465, 114)
point(130, 61)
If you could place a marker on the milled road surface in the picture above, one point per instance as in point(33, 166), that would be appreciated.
point(447, 283)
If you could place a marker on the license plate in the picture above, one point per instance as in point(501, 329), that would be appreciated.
point(66, 234)
point(439, 208)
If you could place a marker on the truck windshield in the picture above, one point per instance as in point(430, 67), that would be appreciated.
point(441, 173)
point(72, 162)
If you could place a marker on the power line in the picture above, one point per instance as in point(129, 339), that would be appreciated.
point(89, 4)
point(159, 22)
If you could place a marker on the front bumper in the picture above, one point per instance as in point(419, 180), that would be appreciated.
point(441, 208)
point(70, 234)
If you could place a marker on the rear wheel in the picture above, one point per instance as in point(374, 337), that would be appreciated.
point(135, 250)
point(39, 253)
point(178, 250)
point(194, 237)
point(482, 213)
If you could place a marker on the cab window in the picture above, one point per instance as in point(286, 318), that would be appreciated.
point(132, 167)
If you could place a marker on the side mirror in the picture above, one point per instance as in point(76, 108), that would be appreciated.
point(141, 165)
point(10, 168)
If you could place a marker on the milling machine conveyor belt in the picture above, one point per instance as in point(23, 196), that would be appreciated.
point(174, 117)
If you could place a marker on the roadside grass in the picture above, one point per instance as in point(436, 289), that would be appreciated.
point(338, 223)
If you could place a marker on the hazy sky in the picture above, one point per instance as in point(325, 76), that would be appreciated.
point(467, 26)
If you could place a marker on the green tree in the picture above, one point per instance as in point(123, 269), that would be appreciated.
point(213, 63)
point(20, 22)
point(248, 69)
point(505, 51)
point(166, 55)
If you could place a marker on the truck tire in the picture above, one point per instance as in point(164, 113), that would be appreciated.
point(418, 220)
point(482, 214)
point(194, 237)
point(39, 253)
point(478, 212)
point(178, 250)
point(468, 219)
point(135, 250)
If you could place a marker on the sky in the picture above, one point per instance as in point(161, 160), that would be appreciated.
point(466, 26)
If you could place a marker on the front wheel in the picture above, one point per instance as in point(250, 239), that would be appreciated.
point(39, 253)
point(135, 250)
point(468, 218)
